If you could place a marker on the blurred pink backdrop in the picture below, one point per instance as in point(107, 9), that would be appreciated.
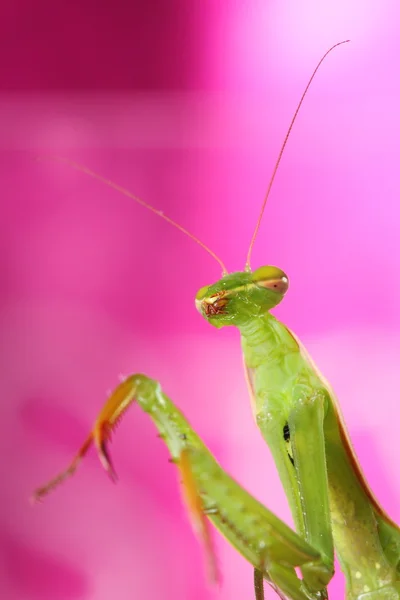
point(187, 107)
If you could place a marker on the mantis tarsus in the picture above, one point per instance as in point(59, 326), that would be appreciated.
point(332, 505)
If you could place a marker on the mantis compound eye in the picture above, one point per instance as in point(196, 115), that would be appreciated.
point(271, 278)
point(202, 293)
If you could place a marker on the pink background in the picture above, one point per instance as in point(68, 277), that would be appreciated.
point(187, 108)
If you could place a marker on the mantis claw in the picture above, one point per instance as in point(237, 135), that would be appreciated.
point(106, 462)
point(197, 515)
point(102, 435)
point(106, 422)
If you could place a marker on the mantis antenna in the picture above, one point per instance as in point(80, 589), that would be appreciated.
point(159, 213)
point(271, 181)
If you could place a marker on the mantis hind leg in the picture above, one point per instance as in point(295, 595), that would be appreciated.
point(210, 494)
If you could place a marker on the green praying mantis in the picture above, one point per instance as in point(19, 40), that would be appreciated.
point(297, 413)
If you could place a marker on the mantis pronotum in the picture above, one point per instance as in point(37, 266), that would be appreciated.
point(332, 505)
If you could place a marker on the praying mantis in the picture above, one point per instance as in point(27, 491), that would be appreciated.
point(297, 413)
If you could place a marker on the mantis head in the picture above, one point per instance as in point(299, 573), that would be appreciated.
point(239, 297)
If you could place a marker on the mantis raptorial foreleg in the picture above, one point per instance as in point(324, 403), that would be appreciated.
point(296, 438)
point(306, 425)
point(211, 494)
